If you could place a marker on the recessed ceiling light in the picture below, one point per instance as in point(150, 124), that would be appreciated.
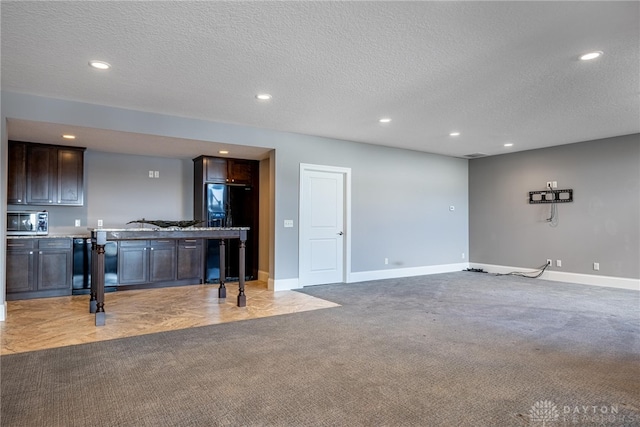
point(100, 65)
point(223, 152)
point(69, 136)
point(454, 134)
point(263, 96)
point(384, 120)
point(508, 144)
point(591, 55)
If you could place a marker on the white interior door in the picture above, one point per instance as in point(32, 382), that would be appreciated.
point(322, 226)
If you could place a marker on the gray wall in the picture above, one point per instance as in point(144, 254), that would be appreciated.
point(601, 225)
point(412, 227)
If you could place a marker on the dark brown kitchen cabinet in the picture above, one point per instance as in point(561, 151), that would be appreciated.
point(190, 259)
point(133, 262)
point(38, 268)
point(215, 169)
point(162, 260)
point(70, 172)
point(42, 174)
point(21, 265)
point(146, 261)
point(225, 171)
point(17, 173)
point(240, 171)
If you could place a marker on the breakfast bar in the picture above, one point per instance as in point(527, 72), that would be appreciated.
point(100, 236)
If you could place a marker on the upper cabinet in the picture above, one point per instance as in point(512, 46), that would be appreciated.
point(225, 171)
point(41, 174)
point(17, 173)
point(240, 171)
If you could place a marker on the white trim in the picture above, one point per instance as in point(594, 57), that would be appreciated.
point(363, 276)
point(561, 276)
point(263, 276)
point(346, 172)
point(283, 284)
point(3, 312)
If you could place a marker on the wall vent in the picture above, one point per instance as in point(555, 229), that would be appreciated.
point(475, 155)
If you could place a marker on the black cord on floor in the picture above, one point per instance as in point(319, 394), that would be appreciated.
point(537, 273)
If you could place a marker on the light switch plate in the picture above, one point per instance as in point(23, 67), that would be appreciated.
point(288, 223)
point(77, 222)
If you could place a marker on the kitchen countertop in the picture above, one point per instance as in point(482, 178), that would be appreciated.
point(149, 229)
point(110, 230)
point(53, 236)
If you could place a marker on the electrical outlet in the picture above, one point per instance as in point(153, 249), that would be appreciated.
point(150, 174)
point(596, 266)
point(77, 222)
point(549, 262)
point(156, 174)
point(99, 223)
point(549, 184)
point(386, 260)
point(462, 255)
point(558, 263)
point(288, 223)
point(554, 184)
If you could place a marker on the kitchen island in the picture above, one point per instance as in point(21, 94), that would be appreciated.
point(100, 236)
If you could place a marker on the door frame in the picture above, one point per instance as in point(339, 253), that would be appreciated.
point(346, 241)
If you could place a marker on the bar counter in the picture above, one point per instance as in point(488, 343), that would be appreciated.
point(100, 236)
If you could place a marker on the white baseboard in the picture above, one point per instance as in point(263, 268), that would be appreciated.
point(395, 273)
point(283, 284)
point(263, 276)
point(560, 276)
point(3, 311)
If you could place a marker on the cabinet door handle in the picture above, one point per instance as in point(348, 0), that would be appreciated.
point(30, 252)
point(190, 247)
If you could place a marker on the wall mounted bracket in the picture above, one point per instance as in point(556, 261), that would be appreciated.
point(550, 196)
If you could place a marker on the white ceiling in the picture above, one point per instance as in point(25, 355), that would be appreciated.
point(495, 71)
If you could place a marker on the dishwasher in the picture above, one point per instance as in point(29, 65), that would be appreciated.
point(82, 266)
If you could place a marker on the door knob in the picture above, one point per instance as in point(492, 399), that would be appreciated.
point(340, 233)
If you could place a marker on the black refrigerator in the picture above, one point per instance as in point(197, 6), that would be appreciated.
point(230, 206)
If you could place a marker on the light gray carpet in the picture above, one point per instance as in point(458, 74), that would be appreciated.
point(457, 349)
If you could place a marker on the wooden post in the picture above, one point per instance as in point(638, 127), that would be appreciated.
point(98, 279)
point(222, 291)
point(242, 298)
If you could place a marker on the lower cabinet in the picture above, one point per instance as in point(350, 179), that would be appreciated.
point(160, 262)
point(38, 268)
point(190, 259)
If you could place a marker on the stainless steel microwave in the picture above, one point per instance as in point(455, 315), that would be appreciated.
point(27, 223)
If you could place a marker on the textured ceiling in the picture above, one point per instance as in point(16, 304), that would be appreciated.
point(495, 71)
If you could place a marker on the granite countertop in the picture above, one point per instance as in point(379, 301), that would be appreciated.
point(145, 229)
point(168, 229)
point(53, 236)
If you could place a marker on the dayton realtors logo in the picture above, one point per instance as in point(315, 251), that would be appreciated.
point(547, 413)
point(544, 411)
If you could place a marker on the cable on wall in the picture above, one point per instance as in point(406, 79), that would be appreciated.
point(552, 197)
point(553, 214)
